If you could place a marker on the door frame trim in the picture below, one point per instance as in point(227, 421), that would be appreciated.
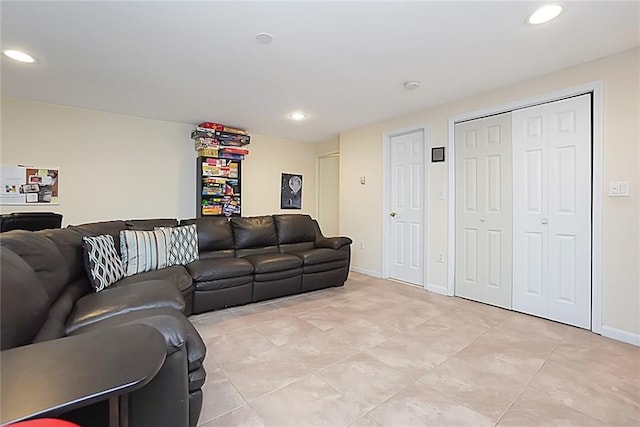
point(386, 193)
point(596, 89)
point(329, 154)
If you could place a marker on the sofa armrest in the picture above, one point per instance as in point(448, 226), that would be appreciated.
point(72, 372)
point(333, 242)
point(113, 302)
point(177, 330)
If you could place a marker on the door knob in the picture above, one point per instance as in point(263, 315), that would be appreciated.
point(393, 214)
point(482, 218)
point(544, 220)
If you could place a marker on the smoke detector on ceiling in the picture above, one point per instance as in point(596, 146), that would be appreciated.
point(414, 84)
point(264, 38)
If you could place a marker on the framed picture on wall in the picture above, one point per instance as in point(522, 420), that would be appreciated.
point(437, 154)
point(291, 191)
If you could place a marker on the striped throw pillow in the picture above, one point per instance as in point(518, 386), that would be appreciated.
point(144, 250)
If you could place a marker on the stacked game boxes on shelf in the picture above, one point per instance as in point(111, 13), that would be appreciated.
point(224, 141)
point(220, 152)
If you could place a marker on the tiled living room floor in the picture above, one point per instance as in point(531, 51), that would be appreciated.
point(376, 352)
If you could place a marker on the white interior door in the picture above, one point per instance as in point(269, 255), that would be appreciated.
point(552, 210)
point(328, 194)
point(484, 210)
point(407, 207)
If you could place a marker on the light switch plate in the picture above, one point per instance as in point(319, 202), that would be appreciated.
point(614, 189)
point(619, 189)
point(623, 188)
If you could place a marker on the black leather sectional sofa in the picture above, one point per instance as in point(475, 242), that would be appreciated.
point(46, 295)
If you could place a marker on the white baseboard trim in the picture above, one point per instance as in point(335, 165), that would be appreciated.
point(366, 271)
point(437, 289)
point(620, 335)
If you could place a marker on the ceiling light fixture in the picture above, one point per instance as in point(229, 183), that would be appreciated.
point(298, 115)
point(16, 55)
point(545, 14)
point(264, 38)
point(414, 84)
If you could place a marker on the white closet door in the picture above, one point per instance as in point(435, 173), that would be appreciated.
point(483, 210)
point(552, 211)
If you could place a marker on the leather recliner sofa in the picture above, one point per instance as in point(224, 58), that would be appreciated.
point(46, 294)
point(250, 259)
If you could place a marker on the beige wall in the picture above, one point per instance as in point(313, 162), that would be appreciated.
point(114, 166)
point(111, 166)
point(329, 146)
point(262, 171)
point(361, 213)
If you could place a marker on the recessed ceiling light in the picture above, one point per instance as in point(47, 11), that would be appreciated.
point(264, 38)
point(414, 84)
point(16, 55)
point(545, 14)
point(298, 115)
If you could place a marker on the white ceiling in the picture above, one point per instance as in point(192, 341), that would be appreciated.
point(344, 63)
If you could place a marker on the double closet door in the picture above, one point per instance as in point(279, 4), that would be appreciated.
point(543, 241)
point(484, 210)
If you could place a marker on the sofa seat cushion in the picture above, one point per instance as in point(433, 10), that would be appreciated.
point(321, 256)
point(270, 263)
point(176, 274)
point(93, 308)
point(173, 325)
point(231, 282)
point(326, 266)
point(219, 268)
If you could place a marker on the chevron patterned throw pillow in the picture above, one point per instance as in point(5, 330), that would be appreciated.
point(102, 262)
point(184, 244)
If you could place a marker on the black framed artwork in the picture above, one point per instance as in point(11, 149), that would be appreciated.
point(291, 191)
point(437, 154)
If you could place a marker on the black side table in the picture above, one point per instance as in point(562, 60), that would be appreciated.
point(57, 376)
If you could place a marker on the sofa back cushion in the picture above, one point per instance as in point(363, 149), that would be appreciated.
point(98, 228)
point(69, 243)
point(150, 224)
point(24, 304)
point(296, 232)
point(61, 273)
point(215, 237)
point(43, 256)
point(254, 235)
point(54, 326)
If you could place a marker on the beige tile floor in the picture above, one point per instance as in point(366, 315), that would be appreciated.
point(380, 353)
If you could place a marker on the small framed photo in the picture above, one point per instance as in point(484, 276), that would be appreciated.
point(437, 154)
point(291, 191)
point(35, 179)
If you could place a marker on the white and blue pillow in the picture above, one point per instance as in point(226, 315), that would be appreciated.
point(143, 251)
